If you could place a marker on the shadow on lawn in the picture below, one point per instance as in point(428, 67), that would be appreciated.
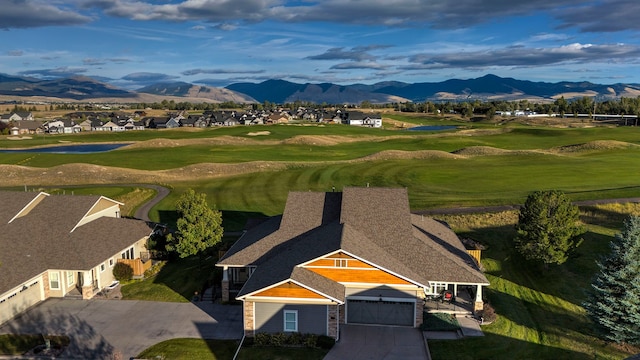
point(494, 346)
point(232, 221)
point(540, 314)
point(567, 281)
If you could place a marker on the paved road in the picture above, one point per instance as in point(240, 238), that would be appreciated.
point(100, 328)
point(143, 212)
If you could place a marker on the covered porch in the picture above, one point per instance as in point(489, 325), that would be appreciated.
point(465, 299)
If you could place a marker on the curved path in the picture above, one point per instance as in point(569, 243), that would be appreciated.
point(143, 211)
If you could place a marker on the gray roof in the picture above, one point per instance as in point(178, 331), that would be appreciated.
point(43, 238)
point(374, 224)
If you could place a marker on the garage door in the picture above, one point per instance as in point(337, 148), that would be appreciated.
point(19, 301)
point(380, 312)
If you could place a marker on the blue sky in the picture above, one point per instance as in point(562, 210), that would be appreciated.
point(132, 43)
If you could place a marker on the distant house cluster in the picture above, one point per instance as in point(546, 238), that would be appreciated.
point(21, 123)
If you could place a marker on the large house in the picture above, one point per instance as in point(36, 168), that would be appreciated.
point(58, 245)
point(357, 256)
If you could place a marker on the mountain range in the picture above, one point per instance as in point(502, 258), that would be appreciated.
point(486, 88)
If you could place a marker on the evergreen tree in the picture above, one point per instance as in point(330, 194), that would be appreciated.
point(548, 227)
point(614, 302)
point(199, 226)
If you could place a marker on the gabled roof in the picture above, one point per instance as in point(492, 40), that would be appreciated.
point(372, 224)
point(42, 238)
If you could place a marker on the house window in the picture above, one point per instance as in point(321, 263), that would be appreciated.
point(102, 267)
point(291, 320)
point(54, 280)
point(111, 262)
point(70, 278)
point(341, 262)
point(128, 254)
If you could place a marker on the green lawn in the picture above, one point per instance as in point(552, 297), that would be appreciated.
point(199, 349)
point(432, 183)
point(539, 312)
point(176, 282)
point(191, 349)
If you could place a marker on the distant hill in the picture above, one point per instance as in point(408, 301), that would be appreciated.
point(77, 88)
point(488, 87)
point(187, 90)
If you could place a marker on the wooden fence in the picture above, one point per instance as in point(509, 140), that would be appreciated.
point(475, 254)
point(137, 265)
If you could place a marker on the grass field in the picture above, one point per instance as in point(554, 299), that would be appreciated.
point(539, 311)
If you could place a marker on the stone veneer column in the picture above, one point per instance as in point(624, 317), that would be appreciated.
point(87, 285)
point(341, 314)
point(45, 284)
point(248, 318)
point(225, 284)
point(332, 321)
point(87, 292)
point(419, 312)
point(478, 305)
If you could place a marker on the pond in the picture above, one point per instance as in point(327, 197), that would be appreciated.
point(69, 149)
point(433, 128)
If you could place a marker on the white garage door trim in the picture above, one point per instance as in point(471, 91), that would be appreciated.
point(380, 311)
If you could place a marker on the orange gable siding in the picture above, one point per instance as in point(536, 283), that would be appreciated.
point(290, 291)
point(359, 276)
point(329, 261)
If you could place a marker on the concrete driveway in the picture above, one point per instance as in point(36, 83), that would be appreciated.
point(363, 342)
point(99, 328)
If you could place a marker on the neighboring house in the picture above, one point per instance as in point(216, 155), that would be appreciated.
point(357, 256)
point(158, 122)
point(21, 115)
point(132, 124)
point(61, 245)
point(63, 126)
point(357, 118)
point(22, 127)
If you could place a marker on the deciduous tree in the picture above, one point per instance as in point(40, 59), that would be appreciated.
point(614, 302)
point(548, 227)
point(199, 226)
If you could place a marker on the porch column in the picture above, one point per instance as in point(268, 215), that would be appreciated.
point(455, 290)
point(225, 284)
point(478, 305)
point(87, 285)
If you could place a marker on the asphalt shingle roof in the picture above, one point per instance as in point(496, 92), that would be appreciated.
point(42, 239)
point(374, 224)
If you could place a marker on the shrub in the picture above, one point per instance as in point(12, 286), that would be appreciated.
point(278, 339)
point(153, 270)
point(295, 338)
point(325, 342)
point(262, 339)
point(122, 272)
point(488, 314)
point(310, 340)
